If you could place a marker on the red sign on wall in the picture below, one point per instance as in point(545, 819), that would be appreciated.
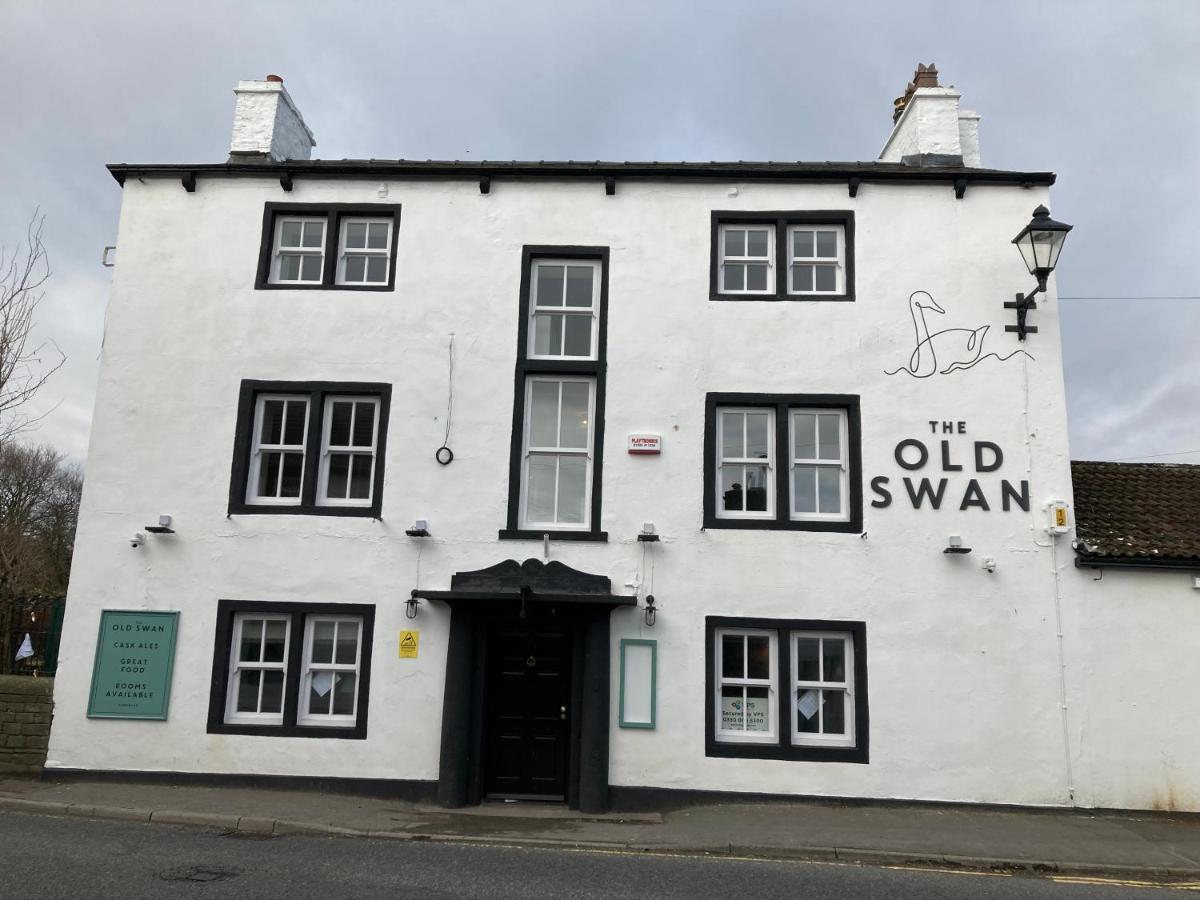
point(646, 444)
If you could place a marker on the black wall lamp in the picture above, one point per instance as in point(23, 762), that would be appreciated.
point(1040, 242)
point(651, 611)
point(410, 604)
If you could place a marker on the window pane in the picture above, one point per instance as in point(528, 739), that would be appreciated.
point(758, 656)
point(579, 285)
point(802, 244)
point(804, 433)
point(272, 692)
point(251, 636)
point(268, 474)
point(735, 277)
point(808, 705)
point(313, 233)
point(834, 713)
point(756, 277)
point(578, 336)
point(247, 694)
point(272, 422)
point(804, 489)
point(732, 445)
point(293, 469)
point(310, 268)
point(829, 489)
point(735, 242)
point(549, 286)
point(339, 423)
point(733, 709)
point(543, 414)
point(356, 234)
point(756, 243)
point(339, 475)
point(808, 660)
point(802, 278)
point(574, 428)
point(360, 477)
point(343, 694)
point(733, 663)
point(831, 437)
point(293, 432)
point(835, 659)
point(547, 335)
point(539, 502)
point(826, 278)
point(322, 646)
point(572, 488)
point(275, 639)
point(320, 693)
point(733, 496)
point(756, 488)
point(377, 235)
point(347, 643)
point(377, 269)
point(758, 709)
point(356, 269)
point(364, 424)
point(289, 234)
point(757, 435)
point(827, 243)
point(289, 267)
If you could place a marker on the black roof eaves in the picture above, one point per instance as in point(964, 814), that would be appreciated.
point(1084, 560)
point(452, 169)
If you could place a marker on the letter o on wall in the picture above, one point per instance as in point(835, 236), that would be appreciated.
point(921, 449)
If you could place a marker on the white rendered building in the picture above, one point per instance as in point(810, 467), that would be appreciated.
point(518, 400)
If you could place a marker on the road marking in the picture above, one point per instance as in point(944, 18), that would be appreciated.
point(948, 871)
point(1127, 882)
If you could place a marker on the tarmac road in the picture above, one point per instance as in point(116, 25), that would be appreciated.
point(48, 857)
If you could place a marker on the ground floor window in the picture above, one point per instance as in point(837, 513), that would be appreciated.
point(291, 669)
point(786, 689)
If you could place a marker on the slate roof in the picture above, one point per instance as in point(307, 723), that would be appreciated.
point(1146, 512)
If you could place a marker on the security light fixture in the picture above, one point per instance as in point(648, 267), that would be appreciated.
point(1039, 243)
point(410, 610)
point(648, 533)
point(163, 526)
point(954, 544)
point(651, 611)
point(420, 528)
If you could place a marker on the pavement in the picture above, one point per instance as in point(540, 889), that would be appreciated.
point(1151, 844)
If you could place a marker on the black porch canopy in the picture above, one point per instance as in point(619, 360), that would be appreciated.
point(532, 582)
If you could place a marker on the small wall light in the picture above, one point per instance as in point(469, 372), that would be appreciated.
point(651, 611)
point(410, 604)
point(136, 540)
point(648, 533)
point(954, 544)
point(420, 528)
point(163, 526)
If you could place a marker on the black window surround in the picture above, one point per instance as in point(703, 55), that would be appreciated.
point(316, 393)
point(781, 403)
point(333, 213)
point(781, 221)
point(227, 609)
point(592, 368)
point(785, 749)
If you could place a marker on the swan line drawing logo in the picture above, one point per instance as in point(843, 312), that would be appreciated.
point(946, 351)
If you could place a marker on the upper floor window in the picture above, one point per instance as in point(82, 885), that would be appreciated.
point(815, 252)
point(309, 447)
point(788, 461)
point(558, 407)
point(328, 246)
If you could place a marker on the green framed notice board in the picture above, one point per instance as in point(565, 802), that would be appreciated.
point(639, 683)
point(131, 678)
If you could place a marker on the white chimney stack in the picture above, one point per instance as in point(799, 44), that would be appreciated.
point(930, 129)
point(267, 125)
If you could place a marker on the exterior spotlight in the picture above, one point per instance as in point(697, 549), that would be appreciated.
point(410, 611)
point(1039, 243)
point(420, 528)
point(954, 544)
point(648, 533)
point(651, 612)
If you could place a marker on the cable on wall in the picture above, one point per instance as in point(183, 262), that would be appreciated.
point(444, 454)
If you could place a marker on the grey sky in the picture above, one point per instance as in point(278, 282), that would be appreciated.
point(1105, 93)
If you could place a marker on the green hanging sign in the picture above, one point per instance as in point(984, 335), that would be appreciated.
point(131, 678)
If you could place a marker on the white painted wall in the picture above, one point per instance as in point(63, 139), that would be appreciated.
point(963, 665)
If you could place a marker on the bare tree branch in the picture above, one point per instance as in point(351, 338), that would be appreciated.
point(24, 368)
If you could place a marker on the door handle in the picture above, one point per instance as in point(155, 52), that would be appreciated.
point(562, 712)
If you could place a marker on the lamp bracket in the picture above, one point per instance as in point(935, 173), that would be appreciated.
point(1022, 304)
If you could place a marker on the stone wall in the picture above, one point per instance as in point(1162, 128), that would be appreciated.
point(26, 707)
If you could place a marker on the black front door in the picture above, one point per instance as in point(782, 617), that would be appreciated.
point(528, 732)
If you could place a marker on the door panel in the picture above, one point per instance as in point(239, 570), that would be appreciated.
point(528, 715)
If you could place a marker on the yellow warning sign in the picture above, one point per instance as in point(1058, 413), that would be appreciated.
point(409, 642)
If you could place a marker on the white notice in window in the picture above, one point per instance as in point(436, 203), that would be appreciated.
point(808, 704)
point(757, 718)
point(321, 683)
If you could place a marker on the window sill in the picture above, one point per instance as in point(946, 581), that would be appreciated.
point(245, 509)
point(525, 534)
point(355, 732)
point(714, 523)
point(784, 298)
point(730, 750)
point(269, 286)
